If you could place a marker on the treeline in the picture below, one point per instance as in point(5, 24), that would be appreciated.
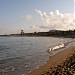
point(54, 33)
point(51, 33)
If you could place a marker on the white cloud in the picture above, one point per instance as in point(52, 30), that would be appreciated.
point(27, 17)
point(57, 20)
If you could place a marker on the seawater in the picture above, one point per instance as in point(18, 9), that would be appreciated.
point(19, 55)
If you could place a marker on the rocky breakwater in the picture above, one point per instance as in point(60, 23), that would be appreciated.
point(66, 68)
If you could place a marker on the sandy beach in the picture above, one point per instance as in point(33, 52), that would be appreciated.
point(54, 62)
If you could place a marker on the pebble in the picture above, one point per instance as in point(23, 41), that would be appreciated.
point(67, 68)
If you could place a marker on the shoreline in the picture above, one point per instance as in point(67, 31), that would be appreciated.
point(53, 61)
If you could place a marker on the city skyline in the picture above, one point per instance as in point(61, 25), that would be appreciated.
point(31, 15)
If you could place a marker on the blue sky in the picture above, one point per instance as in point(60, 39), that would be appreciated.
point(20, 14)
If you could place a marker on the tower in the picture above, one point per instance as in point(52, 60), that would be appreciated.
point(22, 32)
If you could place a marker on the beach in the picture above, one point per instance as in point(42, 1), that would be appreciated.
point(56, 63)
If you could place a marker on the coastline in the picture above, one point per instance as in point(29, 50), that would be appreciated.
point(53, 61)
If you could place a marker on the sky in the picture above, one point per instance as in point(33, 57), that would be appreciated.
point(36, 15)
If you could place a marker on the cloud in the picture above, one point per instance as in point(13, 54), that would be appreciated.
point(57, 20)
point(27, 17)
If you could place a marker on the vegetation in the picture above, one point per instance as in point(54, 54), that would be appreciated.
point(51, 33)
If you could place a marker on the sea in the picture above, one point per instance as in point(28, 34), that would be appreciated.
point(20, 55)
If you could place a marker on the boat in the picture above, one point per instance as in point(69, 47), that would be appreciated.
point(56, 47)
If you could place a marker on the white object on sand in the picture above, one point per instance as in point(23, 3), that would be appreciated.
point(56, 47)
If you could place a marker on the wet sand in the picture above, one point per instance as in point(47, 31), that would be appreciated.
point(56, 62)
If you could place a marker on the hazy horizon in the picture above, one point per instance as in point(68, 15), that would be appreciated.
point(40, 15)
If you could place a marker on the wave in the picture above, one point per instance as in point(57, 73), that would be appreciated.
point(12, 68)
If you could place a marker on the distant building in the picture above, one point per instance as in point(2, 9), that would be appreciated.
point(52, 30)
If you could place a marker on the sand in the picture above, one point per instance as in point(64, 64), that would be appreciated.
point(53, 61)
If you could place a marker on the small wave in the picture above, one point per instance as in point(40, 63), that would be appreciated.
point(68, 42)
point(4, 48)
point(7, 69)
point(12, 68)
